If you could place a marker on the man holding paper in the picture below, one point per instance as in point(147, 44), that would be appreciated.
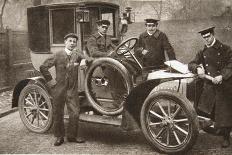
point(214, 65)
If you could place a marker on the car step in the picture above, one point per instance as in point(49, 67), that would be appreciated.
point(108, 120)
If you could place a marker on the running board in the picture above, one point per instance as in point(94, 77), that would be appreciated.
point(106, 120)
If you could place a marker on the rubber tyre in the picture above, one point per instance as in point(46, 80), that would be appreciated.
point(120, 68)
point(30, 88)
point(186, 105)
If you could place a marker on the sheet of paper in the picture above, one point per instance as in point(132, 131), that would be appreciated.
point(178, 66)
point(162, 74)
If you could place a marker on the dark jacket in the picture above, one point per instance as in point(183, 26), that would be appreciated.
point(66, 68)
point(156, 44)
point(99, 46)
point(216, 99)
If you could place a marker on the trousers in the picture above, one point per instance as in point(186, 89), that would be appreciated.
point(63, 95)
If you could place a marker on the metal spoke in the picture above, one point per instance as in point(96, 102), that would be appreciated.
point(161, 108)
point(180, 120)
point(176, 137)
point(28, 114)
point(43, 109)
point(39, 98)
point(42, 104)
point(43, 115)
point(36, 101)
point(27, 101)
point(182, 130)
point(168, 136)
point(157, 115)
point(42, 122)
point(37, 119)
point(169, 109)
point(160, 132)
point(176, 112)
point(154, 124)
point(31, 98)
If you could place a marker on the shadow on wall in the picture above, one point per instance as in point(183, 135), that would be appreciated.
point(184, 36)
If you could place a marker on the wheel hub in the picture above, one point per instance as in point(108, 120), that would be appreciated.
point(168, 121)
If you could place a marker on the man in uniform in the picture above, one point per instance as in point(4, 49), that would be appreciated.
point(215, 60)
point(64, 88)
point(100, 44)
point(152, 45)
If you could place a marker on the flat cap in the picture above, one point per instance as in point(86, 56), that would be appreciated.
point(70, 35)
point(151, 20)
point(103, 22)
point(207, 30)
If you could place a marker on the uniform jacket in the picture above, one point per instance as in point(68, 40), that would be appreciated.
point(216, 60)
point(156, 44)
point(99, 46)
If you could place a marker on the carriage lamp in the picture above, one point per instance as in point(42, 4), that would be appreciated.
point(82, 14)
point(130, 16)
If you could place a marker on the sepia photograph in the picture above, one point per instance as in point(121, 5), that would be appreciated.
point(116, 77)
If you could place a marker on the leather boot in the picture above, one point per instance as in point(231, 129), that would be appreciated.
point(226, 142)
point(59, 141)
point(76, 140)
point(226, 138)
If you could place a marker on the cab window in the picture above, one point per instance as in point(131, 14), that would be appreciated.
point(62, 23)
point(109, 14)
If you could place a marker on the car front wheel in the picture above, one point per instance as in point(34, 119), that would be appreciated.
point(169, 122)
point(35, 108)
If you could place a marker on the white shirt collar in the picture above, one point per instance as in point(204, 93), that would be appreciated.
point(214, 40)
point(149, 33)
point(68, 52)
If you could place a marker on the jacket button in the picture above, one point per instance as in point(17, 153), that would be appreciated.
point(204, 56)
point(219, 53)
point(206, 65)
point(218, 62)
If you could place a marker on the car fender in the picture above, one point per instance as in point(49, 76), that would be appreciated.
point(19, 87)
point(137, 96)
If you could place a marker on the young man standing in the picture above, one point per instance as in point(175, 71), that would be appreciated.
point(215, 60)
point(65, 88)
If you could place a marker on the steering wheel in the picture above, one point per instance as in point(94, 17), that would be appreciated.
point(126, 46)
point(125, 49)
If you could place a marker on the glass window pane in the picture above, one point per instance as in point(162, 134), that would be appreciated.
point(109, 16)
point(62, 24)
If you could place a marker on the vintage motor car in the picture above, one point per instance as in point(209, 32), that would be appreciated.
point(160, 102)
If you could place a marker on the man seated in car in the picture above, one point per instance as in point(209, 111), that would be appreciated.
point(100, 45)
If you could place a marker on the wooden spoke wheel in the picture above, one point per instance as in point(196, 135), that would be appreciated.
point(35, 108)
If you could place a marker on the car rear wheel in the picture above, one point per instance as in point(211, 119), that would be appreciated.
point(169, 122)
point(35, 108)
